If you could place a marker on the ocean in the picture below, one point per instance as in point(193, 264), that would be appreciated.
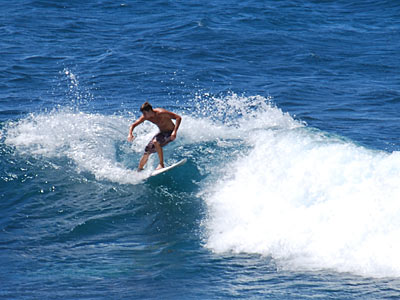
point(290, 124)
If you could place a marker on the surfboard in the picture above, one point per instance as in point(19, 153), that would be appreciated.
point(163, 170)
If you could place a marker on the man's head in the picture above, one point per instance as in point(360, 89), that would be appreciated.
point(146, 107)
point(147, 110)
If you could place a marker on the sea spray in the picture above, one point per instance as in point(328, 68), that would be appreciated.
point(89, 141)
point(97, 143)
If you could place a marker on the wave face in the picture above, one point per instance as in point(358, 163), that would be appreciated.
point(271, 184)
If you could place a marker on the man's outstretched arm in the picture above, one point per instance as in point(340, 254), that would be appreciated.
point(136, 123)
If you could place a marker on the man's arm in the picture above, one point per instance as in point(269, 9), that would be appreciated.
point(177, 119)
point(136, 123)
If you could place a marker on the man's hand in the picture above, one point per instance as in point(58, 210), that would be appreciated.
point(130, 138)
point(173, 136)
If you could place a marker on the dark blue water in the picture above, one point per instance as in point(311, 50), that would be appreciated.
point(291, 129)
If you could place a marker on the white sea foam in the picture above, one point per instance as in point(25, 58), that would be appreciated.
point(90, 141)
point(309, 200)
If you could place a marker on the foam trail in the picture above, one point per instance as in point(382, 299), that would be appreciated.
point(90, 141)
point(309, 200)
point(97, 143)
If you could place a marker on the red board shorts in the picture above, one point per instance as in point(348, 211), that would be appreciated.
point(162, 138)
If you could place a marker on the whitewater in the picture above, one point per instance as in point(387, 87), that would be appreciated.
point(272, 185)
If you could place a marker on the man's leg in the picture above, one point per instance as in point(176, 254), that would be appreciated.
point(143, 161)
point(160, 155)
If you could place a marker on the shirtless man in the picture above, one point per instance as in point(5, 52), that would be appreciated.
point(163, 119)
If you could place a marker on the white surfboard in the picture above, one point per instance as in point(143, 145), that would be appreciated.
point(160, 171)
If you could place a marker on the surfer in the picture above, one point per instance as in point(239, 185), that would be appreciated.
point(163, 119)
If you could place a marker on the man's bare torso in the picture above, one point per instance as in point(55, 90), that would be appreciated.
point(162, 120)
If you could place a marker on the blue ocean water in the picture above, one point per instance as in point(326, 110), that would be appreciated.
point(291, 129)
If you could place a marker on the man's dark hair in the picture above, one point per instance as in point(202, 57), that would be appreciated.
point(146, 107)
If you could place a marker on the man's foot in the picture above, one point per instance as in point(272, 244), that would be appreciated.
point(160, 167)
